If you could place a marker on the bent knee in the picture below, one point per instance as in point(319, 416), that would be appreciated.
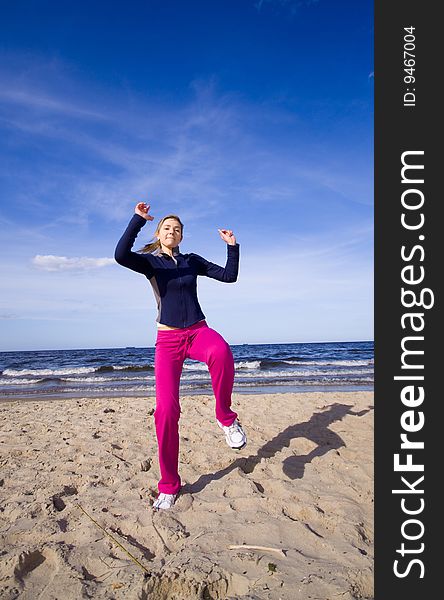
point(220, 351)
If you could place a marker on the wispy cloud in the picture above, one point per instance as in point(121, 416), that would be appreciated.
point(62, 263)
point(201, 158)
point(48, 104)
point(178, 154)
point(77, 163)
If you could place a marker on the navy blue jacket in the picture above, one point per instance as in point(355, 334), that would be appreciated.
point(174, 282)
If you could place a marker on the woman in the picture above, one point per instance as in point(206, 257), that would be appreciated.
point(182, 333)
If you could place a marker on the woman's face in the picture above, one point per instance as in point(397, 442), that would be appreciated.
point(170, 233)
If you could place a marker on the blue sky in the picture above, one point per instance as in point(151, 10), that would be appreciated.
point(251, 115)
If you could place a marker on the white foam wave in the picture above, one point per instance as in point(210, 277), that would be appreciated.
point(334, 363)
point(248, 364)
point(48, 372)
point(196, 377)
point(292, 373)
point(199, 366)
point(18, 381)
point(108, 379)
point(86, 379)
point(127, 367)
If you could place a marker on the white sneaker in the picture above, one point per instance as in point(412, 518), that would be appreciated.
point(164, 501)
point(234, 434)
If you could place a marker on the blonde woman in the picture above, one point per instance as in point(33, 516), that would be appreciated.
point(182, 333)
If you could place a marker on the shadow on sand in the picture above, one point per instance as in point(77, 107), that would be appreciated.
point(316, 430)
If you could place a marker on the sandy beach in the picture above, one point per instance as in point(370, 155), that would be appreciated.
point(288, 517)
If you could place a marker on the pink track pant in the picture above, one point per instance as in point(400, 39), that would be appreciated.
point(173, 346)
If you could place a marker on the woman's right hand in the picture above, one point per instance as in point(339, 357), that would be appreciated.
point(142, 210)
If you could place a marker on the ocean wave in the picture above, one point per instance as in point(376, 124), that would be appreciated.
point(134, 368)
point(149, 390)
point(202, 375)
point(18, 381)
point(293, 373)
point(238, 365)
point(248, 364)
point(75, 370)
point(48, 372)
point(53, 380)
point(196, 376)
point(333, 363)
point(308, 382)
point(280, 359)
point(83, 380)
point(88, 379)
point(197, 366)
point(270, 363)
point(263, 366)
point(304, 373)
point(110, 368)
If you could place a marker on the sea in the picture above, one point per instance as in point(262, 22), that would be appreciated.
point(129, 372)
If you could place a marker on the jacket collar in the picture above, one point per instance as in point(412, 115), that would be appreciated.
point(176, 252)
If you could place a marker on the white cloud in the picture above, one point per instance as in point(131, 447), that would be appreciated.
point(209, 153)
point(216, 160)
point(62, 263)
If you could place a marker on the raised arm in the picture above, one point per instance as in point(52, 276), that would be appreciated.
point(227, 274)
point(123, 253)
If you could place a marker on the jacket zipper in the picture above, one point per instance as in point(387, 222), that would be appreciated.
point(181, 294)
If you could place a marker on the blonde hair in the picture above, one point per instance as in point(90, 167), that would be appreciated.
point(155, 245)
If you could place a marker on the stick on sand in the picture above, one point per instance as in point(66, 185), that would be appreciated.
point(263, 548)
point(133, 558)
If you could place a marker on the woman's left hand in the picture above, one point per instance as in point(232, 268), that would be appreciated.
point(228, 236)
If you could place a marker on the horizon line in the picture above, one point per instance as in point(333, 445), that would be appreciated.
point(152, 347)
